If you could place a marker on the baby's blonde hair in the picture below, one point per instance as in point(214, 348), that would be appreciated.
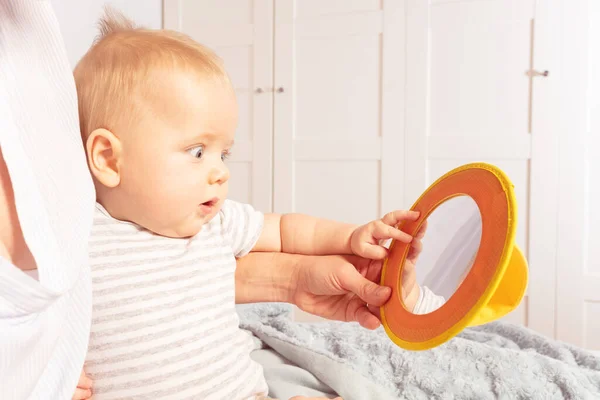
point(112, 78)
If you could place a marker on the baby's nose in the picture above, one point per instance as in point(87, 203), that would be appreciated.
point(218, 175)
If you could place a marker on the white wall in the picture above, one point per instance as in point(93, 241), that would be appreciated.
point(78, 20)
point(591, 335)
point(593, 146)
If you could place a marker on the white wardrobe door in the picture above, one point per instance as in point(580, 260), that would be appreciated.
point(241, 33)
point(578, 307)
point(338, 108)
point(469, 99)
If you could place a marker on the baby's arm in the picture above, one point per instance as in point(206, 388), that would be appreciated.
point(303, 234)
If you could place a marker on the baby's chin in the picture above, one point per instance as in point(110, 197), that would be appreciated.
point(185, 228)
point(181, 231)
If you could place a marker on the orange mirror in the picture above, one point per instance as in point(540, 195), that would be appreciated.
point(469, 263)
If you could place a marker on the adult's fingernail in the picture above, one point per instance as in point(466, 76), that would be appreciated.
point(383, 291)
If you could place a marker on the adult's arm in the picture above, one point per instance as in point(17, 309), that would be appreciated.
point(343, 288)
point(267, 277)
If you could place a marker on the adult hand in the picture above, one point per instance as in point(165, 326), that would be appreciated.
point(343, 288)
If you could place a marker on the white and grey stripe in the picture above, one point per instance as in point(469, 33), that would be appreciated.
point(164, 323)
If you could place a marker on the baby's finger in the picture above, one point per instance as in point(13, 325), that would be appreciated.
point(82, 394)
point(373, 252)
point(383, 231)
point(394, 217)
point(84, 381)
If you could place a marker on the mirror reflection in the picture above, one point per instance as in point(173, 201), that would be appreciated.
point(443, 252)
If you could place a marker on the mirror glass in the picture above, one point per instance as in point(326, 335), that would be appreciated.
point(442, 253)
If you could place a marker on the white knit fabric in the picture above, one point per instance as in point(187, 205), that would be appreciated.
point(428, 301)
point(44, 325)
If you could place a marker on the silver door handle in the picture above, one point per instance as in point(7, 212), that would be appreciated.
point(532, 72)
point(261, 90)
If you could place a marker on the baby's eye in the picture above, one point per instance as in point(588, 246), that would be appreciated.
point(196, 151)
point(225, 155)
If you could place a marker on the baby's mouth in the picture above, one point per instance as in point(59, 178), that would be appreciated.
point(210, 203)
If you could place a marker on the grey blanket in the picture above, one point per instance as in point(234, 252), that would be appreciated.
point(494, 361)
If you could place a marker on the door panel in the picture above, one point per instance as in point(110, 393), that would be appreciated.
point(337, 78)
point(339, 112)
point(578, 279)
point(469, 99)
point(241, 33)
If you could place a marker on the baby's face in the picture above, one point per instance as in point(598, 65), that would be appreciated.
point(173, 172)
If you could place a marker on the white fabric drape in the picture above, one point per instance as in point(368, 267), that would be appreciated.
point(44, 325)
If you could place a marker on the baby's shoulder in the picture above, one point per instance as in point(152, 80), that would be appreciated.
point(229, 211)
point(236, 212)
point(232, 216)
point(215, 228)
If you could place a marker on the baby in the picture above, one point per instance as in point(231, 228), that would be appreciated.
point(158, 115)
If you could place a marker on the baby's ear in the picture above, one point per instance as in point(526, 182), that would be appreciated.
point(103, 150)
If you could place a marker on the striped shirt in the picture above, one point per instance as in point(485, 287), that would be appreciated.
point(164, 323)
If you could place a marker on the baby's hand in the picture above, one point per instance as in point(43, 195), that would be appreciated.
point(365, 239)
point(84, 388)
